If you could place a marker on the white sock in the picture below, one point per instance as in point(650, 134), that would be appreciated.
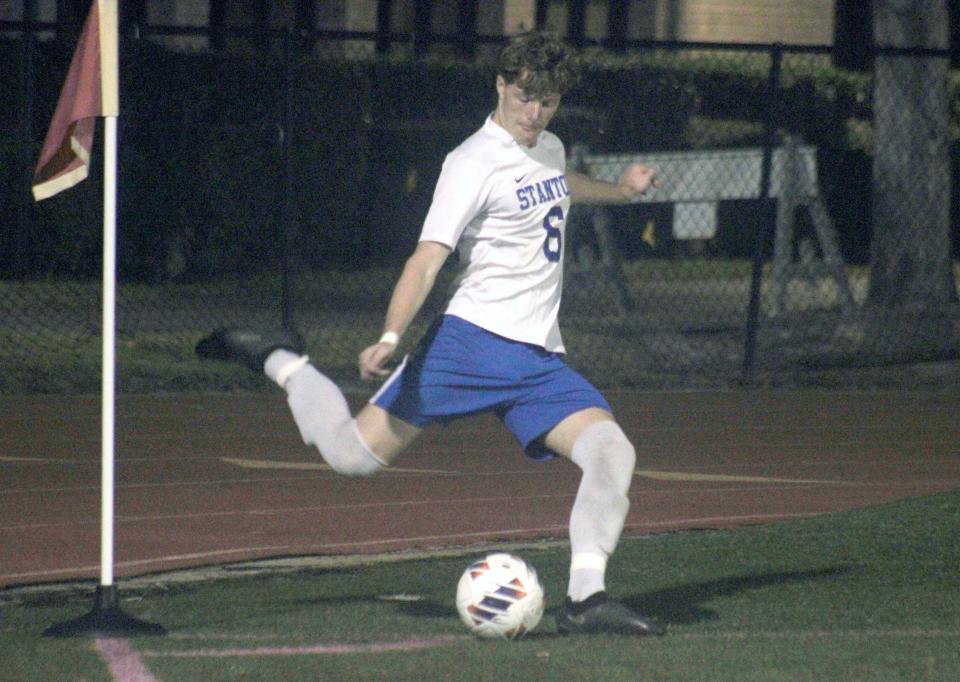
point(281, 363)
point(587, 572)
point(322, 415)
point(600, 508)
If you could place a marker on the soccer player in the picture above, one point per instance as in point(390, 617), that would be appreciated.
point(500, 202)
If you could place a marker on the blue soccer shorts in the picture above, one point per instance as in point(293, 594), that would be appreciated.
point(459, 369)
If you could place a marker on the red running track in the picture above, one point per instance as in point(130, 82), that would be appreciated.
point(214, 479)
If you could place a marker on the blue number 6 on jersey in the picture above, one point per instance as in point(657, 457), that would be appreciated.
point(553, 243)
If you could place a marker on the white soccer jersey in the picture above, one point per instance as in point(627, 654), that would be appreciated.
point(503, 207)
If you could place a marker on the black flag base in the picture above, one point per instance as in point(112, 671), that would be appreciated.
point(105, 620)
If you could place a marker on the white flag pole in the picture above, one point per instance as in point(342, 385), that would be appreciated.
point(108, 391)
point(110, 102)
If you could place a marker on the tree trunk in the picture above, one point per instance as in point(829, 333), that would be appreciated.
point(911, 167)
point(911, 274)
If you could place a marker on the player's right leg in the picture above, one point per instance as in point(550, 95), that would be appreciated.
point(353, 447)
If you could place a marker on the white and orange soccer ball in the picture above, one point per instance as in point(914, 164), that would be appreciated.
point(500, 597)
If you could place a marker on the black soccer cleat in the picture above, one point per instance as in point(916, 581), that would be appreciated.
point(598, 614)
point(249, 348)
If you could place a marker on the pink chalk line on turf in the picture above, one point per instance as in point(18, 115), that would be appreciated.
point(312, 650)
point(122, 661)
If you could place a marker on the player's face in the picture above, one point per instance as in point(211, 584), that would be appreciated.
point(523, 115)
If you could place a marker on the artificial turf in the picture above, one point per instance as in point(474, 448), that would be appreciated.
point(872, 594)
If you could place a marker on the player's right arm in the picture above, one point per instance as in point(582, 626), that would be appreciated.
point(409, 293)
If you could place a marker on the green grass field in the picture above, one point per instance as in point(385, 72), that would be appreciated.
point(864, 595)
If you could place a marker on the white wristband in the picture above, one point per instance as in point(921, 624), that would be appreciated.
point(390, 337)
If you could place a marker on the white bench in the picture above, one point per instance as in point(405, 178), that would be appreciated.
point(696, 181)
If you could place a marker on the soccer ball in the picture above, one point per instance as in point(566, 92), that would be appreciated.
point(500, 597)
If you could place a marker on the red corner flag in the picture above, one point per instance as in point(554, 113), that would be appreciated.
point(91, 90)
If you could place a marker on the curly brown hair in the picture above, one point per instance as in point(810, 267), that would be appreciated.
point(540, 63)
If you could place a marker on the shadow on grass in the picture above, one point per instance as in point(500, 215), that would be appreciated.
point(680, 605)
point(683, 605)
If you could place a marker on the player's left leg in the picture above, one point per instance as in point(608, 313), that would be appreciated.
point(596, 443)
point(359, 446)
point(592, 440)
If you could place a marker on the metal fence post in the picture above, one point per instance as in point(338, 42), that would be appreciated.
point(286, 227)
point(771, 120)
point(22, 264)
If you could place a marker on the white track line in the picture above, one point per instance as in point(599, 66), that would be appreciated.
point(321, 466)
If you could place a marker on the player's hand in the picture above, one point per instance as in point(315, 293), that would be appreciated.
point(373, 360)
point(637, 179)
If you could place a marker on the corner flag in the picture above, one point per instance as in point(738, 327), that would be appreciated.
point(90, 90)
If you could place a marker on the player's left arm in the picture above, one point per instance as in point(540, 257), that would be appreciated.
point(636, 180)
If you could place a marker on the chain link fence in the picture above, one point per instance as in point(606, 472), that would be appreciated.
point(284, 181)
